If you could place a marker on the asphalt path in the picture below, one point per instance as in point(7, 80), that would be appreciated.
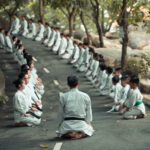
point(111, 131)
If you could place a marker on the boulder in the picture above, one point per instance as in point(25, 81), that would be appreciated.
point(112, 35)
point(138, 40)
point(145, 86)
point(78, 34)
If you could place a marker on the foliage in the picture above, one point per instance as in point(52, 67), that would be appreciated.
point(11, 6)
point(3, 99)
point(140, 65)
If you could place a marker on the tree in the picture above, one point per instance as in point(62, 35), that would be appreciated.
point(41, 10)
point(96, 16)
point(129, 14)
point(10, 7)
point(123, 22)
point(68, 8)
point(83, 8)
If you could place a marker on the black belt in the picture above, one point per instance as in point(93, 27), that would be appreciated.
point(74, 118)
point(33, 114)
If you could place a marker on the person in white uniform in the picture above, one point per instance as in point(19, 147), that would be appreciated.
point(32, 30)
point(21, 107)
point(75, 112)
point(15, 26)
point(8, 42)
point(124, 92)
point(115, 93)
point(2, 40)
point(52, 38)
point(24, 26)
point(47, 33)
point(134, 105)
point(57, 41)
point(76, 53)
point(40, 33)
point(86, 57)
point(108, 86)
point(63, 45)
point(69, 50)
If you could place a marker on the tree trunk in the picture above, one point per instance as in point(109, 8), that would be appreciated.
point(70, 21)
point(102, 21)
point(41, 10)
point(124, 24)
point(97, 23)
point(86, 29)
point(100, 33)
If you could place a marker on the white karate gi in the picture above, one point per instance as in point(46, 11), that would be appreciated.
point(63, 46)
point(21, 107)
point(94, 71)
point(32, 98)
point(103, 79)
point(24, 27)
point(2, 40)
point(40, 34)
point(135, 104)
point(124, 93)
point(76, 54)
point(32, 31)
point(15, 26)
point(108, 86)
point(52, 39)
point(75, 104)
point(20, 58)
point(48, 33)
point(86, 57)
point(69, 49)
point(8, 44)
point(57, 43)
point(80, 59)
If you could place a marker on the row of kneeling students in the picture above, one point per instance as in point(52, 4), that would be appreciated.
point(27, 99)
point(122, 87)
point(30, 88)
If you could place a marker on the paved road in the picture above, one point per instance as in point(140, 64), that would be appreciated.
point(112, 133)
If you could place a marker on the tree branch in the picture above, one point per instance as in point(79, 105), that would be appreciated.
point(63, 11)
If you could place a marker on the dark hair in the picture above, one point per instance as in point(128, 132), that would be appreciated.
point(109, 70)
point(115, 79)
point(124, 77)
point(72, 81)
point(6, 32)
point(13, 37)
point(91, 49)
point(102, 67)
point(135, 79)
point(118, 69)
point(18, 82)
point(20, 45)
point(22, 74)
point(24, 67)
point(29, 59)
point(46, 23)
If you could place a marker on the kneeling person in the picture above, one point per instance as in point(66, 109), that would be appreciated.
point(21, 107)
point(135, 107)
point(75, 112)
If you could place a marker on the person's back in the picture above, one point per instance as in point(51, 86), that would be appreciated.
point(75, 113)
point(76, 103)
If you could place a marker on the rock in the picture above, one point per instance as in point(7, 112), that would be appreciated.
point(132, 28)
point(145, 86)
point(112, 35)
point(78, 34)
point(138, 40)
point(147, 47)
